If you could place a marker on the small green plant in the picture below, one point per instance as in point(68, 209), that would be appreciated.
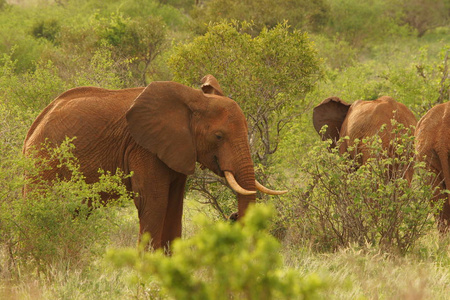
point(223, 261)
point(375, 203)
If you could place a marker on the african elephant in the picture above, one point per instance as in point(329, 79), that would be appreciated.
point(360, 120)
point(433, 147)
point(157, 132)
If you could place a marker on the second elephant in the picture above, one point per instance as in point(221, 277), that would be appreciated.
point(360, 120)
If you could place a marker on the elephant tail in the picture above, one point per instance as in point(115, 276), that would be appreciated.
point(444, 159)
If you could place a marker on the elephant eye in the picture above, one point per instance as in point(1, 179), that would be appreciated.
point(219, 136)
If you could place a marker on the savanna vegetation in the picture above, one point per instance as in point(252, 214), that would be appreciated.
point(340, 233)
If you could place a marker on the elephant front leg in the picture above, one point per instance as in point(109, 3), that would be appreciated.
point(174, 214)
point(161, 214)
point(151, 181)
point(152, 212)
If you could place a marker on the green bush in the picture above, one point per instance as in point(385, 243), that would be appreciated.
point(14, 124)
point(264, 14)
point(223, 261)
point(422, 83)
point(55, 225)
point(345, 203)
point(337, 53)
point(101, 71)
point(46, 29)
point(363, 22)
point(137, 41)
point(16, 23)
point(3, 4)
point(423, 15)
point(33, 89)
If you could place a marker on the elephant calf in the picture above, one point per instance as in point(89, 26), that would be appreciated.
point(157, 132)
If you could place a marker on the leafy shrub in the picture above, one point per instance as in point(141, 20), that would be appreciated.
point(423, 15)
point(422, 83)
point(47, 29)
point(16, 24)
point(142, 9)
point(3, 4)
point(223, 261)
point(337, 53)
point(345, 203)
point(55, 223)
point(33, 89)
point(264, 14)
point(362, 22)
point(14, 124)
point(102, 71)
point(138, 41)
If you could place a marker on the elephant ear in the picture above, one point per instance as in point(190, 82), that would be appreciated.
point(159, 121)
point(332, 112)
point(210, 85)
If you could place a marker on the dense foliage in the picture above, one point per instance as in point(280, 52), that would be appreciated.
point(277, 62)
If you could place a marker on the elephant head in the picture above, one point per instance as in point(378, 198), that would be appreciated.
point(182, 126)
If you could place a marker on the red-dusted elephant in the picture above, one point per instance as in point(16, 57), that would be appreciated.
point(433, 147)
point(158, 132)
point(361, 119)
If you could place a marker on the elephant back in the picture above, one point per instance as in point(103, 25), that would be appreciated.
point(77, 111)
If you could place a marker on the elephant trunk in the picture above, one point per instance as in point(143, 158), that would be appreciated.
point(246, 179)
point(235, 186)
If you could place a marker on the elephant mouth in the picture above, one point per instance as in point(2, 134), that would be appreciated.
point(217, 168)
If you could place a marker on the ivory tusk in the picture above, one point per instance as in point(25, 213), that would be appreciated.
point(235, 186)
point(263, 189)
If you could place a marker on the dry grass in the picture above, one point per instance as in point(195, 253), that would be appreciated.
point(353, 273)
